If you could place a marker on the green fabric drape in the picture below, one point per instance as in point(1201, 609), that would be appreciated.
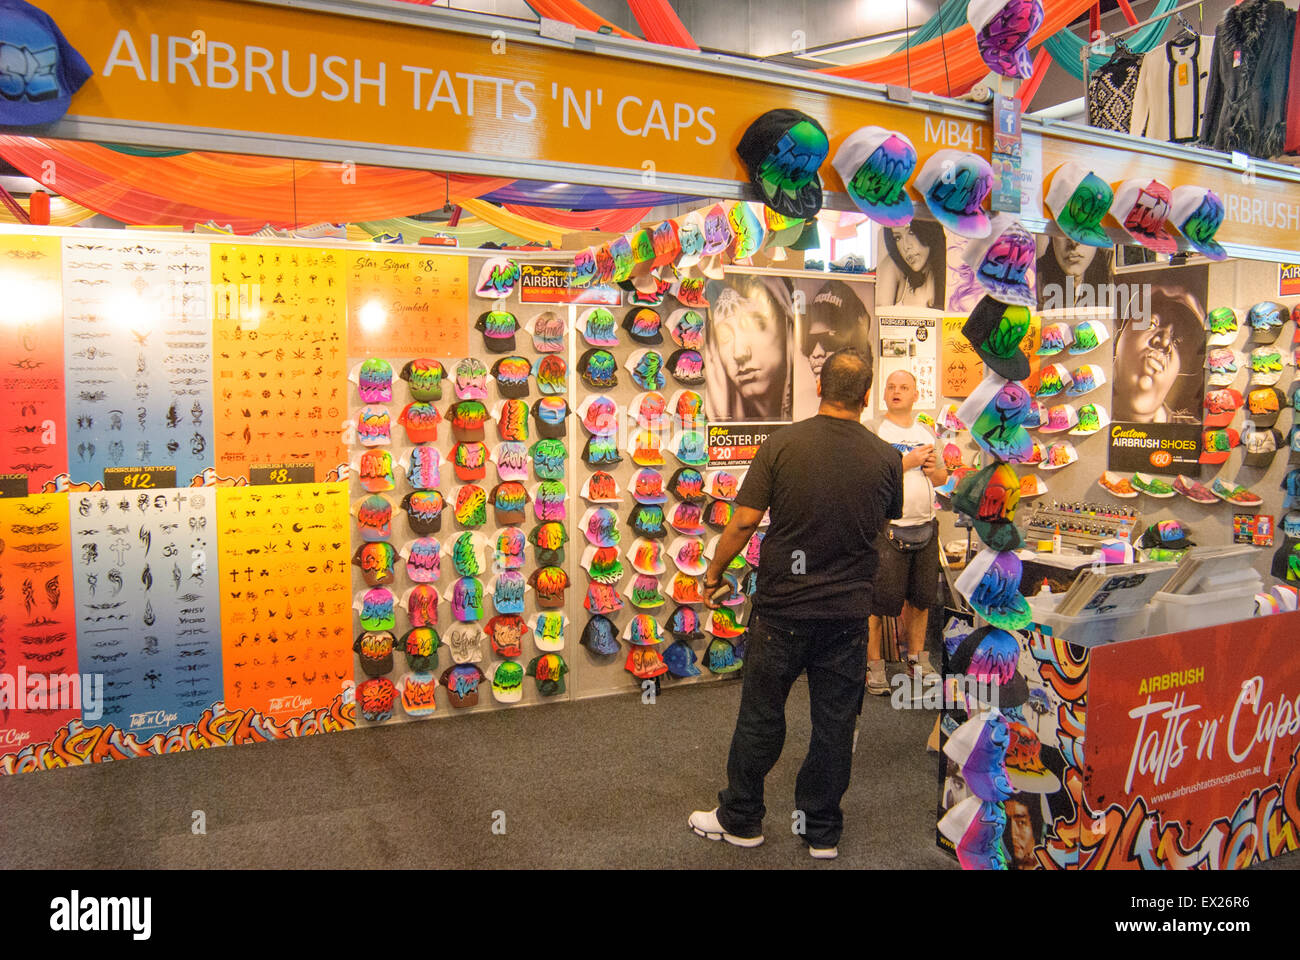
point(1067, 49)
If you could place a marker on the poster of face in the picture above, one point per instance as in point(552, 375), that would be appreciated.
point(834, 314)
point(1073, 275)
point(749, 348)
point(1160, 346)
point(912, 265)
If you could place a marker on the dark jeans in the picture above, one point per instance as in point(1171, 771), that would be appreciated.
point(836, 661)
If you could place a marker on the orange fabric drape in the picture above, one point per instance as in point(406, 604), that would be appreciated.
point(608, 221)
point(660, 24)
point(964, 66)
point(244, 192)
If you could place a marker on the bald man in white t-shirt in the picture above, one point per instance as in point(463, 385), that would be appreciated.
point(906, 580)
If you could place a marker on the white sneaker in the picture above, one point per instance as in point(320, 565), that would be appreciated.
point(705, 824)
point(922, 669)
point(823, 853)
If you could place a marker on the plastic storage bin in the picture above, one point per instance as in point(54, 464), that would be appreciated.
point(1090, 630)
point(1174, 613)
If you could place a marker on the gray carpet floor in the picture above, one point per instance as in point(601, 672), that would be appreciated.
point(599, 783)
point(602, 783)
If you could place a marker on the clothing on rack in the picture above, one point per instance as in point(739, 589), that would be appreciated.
point(1111, 91)
point(1245, 100)
point(1292, 144)
point(1170, 94)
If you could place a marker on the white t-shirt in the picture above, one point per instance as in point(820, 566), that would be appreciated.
point(918, 492)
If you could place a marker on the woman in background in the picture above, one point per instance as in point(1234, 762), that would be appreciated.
point(913, 271)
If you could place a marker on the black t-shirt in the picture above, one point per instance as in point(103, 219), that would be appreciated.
point(831, 486)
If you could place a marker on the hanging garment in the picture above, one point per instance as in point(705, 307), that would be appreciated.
point(1245, 100)
point(1171, 90)
point(1293, 96)
point(1111, 91)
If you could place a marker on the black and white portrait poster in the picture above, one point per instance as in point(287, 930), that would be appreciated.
point(830, 315)
point(1074, 276)
point(1158, 385)
point(912, 265)
point(749, 348)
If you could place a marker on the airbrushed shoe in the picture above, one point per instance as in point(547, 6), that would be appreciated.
point(1152, 486)
point(1117, 484)
point(1194, 490)
point(1234, 493)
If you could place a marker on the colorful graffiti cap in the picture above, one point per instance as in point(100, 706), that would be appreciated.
point(1265, 404)
point(420, 644)
point(600, 526)
point(1060, 418)
point(471, 506)
point(688, 555)
point(1056, 337)
point(375, 471)
point(375, 698)
point(378, 609)
point(976, 829)
point(552, 373)
point(955, 185)
point(1079, 201)
point(597, 325)
point(643, 631)
point(648, 486)
point(550, 413)
point(1002, 31)
point(1265, 366)
point(508, 682)
point(1142, 208)
point(995, 329)
point(498, 328)
point(1167, 534)
point(375, 380)
point(466, 598)
point(1059, 454)
point(989, 498)
point(647, 369)
point(684, 624)
point(686, 327)
point(423, 560)
point(378, 562)
point(721, 657)
point(1261, 446)
point(424, 379)
point(875, 165)
point(686, 367)
point(979, 747)
point(991, 582)
point(511, 374)
point(1223, 326)
point(1222, 364)
point(598, 369)
point(1053, 380)
point(644, 325)
point(423, 511)
point(374, 427)
point(1088, 336)
point(725, 622)
point(680, 659)
point(1221, 406)
point(1266, 320)
point(1197, 214)
point(601, 487)
point(1085, 379)
point(424, 468)
point(471, 379)
point(1002, 261)
point(600, 636)
point(497, 278)
point(375, 518)
point(1093, 418)
point(645, 663)
point(991, 656)
point(548, 332)
point(548, 630)
point(782, 150)
point(647, 556)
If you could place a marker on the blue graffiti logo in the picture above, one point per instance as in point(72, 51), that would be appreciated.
point(27, 74)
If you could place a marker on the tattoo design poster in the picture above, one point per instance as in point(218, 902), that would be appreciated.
point(32, 412)
point(286, 596)
point(147, 604)
point(280, 365)
point(963, 370)
point(138, 344)
point(412, 303)
point(909, 343)
point(37, 618)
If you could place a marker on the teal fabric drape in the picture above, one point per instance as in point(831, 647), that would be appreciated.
point(1067, 49)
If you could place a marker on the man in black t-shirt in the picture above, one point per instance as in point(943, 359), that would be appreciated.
point(831, 486)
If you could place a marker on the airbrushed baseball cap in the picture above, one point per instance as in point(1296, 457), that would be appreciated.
point(1002, 31)
point(648, 409)
point(424, 379)
point(471, 379)
point(548, 332)
point(1055, 338)
point(1088, 336)
point(1093, 418)
point(1261, 446)
point(680, 659)
point(1264, 405)
point(548, 630)
point(688, 484)
point(1001, 261)
point(1053, 380)
point(648, 486)
point(647, 369)
point(643, 631)
point(601, 487)
point(512, 374)
point(469, 460)
point(375, 380)
point(1197, 214)
point(598, 369)
point(686, 367)
point(996, 411)
point(377, 561)
point(497, 278)
point(647, 520)
point(644, 326)
point(686, 327)
point(645, 663)
point(600, 526)
point(511, 543)
point(1060, 418)
point(420, 644)
point(552, 373)
point(374, 427)
point(1222, 362)
point(548, 541)
point(720, 657)
point(1079, 200)
point(955, 185)
point(782, 151)
point(1085, 379)
point(991, 655)
point(375, 471)
point(374, 518)
point(375, 699)
point(1059, 454)
point(684, 624)
point(600, 636)
point(875, 165)
point(1216, 445)
point(376, 607)
point(1221, 406)
point(603, 564)
point(995, 329)
point(1266, 320)
point(598, 327)
point(1142, 208)
point(747, 228)
point(423, 511)
point(549, 413)
point(646, 556)
point(1266, 365)
point(1166, 534)
point(991, 583)
point(1222, 322)
point(471, 506)
point(602, 598)
point(423, 560)
point(989, 498)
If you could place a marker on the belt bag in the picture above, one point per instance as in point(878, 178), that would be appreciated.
point(910, 539)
